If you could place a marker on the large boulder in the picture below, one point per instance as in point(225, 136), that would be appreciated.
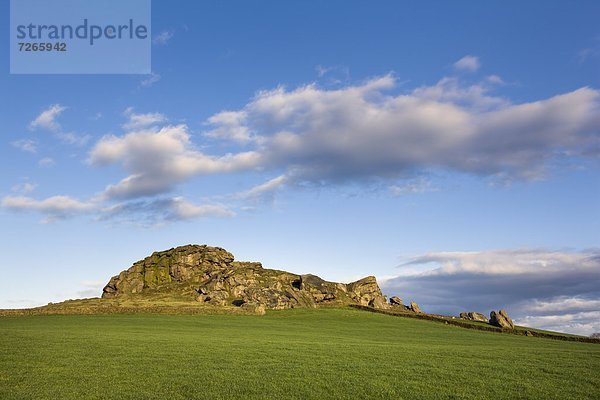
point(366, 291)
point(210, 276)
point(414, 307)
point(501, 320)
point(473, 316)
point(396, 301)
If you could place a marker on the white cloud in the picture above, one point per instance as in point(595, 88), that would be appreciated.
point(562, 304)
point(334, 75)
point(160, 159)
point(138, 121)
point(26, 145)
point(266, 188)
point(153, 212)
point(591, 52)
point(321, 70)
point(230, 126)
point(360, 132)
point(55, 204)
point(73, 138)
point(158, 211)
point(46, 162)
point(533, 285)
point(47, 119)
point(163, 37)
point(364, 133)
point(54, 208)
point(475, 98)
point(582, 323)
point(150, 80)
point(184, 210)
point(468, 63)
point(414, 186)
point(495, 80)
point(25, 187)
point(503, 262)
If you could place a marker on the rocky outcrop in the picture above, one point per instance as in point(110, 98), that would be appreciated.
point(396, 301)
point(501, 320)
point(473, 316)
point(211, 276)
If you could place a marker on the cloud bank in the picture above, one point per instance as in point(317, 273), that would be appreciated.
point(367, 133)
point(360, 133)
point(546, 289)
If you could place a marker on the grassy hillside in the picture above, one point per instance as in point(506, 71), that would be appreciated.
point(292, 354)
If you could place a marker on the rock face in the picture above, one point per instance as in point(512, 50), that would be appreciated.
point(473, 316)
point(210, 275)
point(501, 320)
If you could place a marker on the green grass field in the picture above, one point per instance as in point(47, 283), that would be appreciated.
point(293, 354)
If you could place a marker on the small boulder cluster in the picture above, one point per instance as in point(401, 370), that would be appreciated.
point(474, 316)
point(499, 318)
point(396, 302)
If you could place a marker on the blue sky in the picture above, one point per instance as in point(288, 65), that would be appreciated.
point(443, 147)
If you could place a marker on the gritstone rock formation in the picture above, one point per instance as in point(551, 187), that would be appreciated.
point(210, 275)
point(473, 316)
point(501, 320)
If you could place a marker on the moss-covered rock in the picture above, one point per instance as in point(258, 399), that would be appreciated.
point(210, 275)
